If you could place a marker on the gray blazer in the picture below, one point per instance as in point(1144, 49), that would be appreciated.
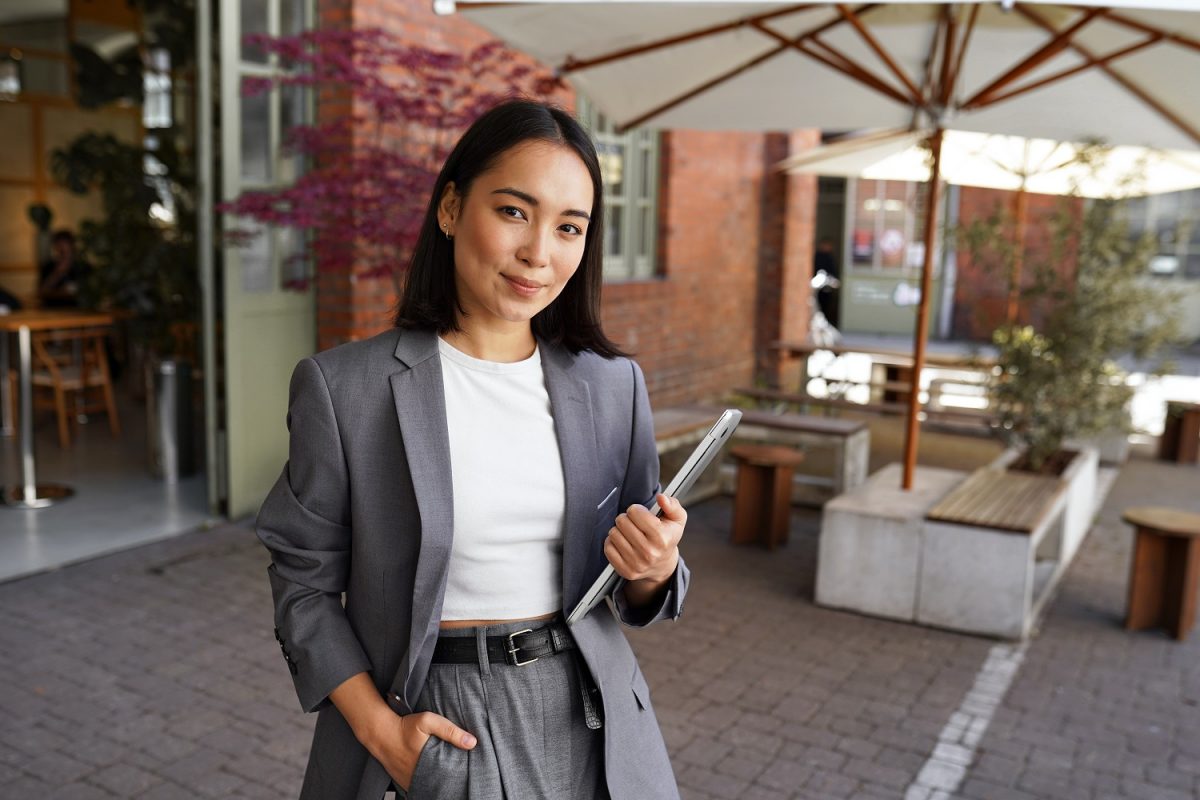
point(364, 508)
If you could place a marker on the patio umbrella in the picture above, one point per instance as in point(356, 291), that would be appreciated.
point(1066, 71)
point(1011, 163)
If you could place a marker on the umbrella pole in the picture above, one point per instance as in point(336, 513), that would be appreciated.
point(922, 329)
point(1014, 280)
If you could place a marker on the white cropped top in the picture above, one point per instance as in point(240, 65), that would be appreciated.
point(509, 495)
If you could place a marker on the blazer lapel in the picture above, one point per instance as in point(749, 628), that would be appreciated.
point(421, 410)
point(571, 404)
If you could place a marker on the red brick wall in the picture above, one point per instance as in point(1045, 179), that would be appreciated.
point(980, 292)
point(733, 238)
point(692, 329)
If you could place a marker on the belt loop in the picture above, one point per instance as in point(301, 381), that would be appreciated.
point(485, 665)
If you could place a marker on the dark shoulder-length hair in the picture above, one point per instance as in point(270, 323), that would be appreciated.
point(430, 298)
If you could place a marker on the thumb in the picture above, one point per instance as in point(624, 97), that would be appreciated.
point(447, 731)
point(672, 509)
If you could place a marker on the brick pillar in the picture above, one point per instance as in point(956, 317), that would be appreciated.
point(788, 223)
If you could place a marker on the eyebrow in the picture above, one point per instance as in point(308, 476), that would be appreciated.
point(533, 201)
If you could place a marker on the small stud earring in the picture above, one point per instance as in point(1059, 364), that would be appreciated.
point(446, 230)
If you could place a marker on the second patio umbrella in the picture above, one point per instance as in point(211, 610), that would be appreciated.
point(1011, 163)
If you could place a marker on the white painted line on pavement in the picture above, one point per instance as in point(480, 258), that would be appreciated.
point(946, 767)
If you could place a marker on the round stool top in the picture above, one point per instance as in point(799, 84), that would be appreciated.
point(767, 455)
point(1168, 520)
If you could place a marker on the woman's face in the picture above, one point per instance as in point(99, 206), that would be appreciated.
point(518, 234)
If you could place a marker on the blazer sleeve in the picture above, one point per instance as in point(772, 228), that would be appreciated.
point(640, 486)
point(305, 525)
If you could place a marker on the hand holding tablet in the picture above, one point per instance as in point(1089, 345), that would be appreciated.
point(700, 458)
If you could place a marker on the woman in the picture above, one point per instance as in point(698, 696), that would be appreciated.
point(458, 479)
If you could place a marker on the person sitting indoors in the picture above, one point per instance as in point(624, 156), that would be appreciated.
point(60, 276)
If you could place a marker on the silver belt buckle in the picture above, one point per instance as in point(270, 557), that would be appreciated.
point(512, 649)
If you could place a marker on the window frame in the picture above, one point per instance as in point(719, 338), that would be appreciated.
point(637, 203)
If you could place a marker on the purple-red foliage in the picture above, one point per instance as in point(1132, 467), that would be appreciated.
point(364, 196)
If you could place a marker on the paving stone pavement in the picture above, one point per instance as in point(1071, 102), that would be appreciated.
point(153, 673)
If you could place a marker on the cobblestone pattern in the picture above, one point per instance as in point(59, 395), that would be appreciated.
point(153, 674)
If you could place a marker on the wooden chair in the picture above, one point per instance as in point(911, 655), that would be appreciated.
point(72, 366)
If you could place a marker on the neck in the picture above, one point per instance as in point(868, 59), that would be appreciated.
point(503, 345)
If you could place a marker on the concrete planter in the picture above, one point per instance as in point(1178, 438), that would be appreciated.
point(1081, 476)
point(879, 555)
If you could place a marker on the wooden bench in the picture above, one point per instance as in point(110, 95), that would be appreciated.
point(992, 550)
point(1009, 501)
point(677, 430)
point(954, 416)
point(848, 441)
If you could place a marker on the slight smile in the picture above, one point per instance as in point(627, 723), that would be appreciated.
point(521, 286)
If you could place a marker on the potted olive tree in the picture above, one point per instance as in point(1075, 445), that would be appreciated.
point(1058, 388)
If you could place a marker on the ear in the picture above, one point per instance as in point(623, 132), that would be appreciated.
point(448, 208)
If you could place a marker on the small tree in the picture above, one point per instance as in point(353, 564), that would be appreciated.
point(1060, 379)
point(364, 197)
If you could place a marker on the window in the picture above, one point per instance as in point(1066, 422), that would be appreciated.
point(268, 114)
point(629, 165)
point(887, 225)
point(1173, 220)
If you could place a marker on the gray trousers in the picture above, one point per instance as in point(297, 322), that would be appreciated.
point(533, 743)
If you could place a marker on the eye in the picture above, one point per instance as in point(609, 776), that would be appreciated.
point(571, 228)
point(512, 211)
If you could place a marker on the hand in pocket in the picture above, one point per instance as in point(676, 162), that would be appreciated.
point(401, 744)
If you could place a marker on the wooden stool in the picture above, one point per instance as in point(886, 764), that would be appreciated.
point(762, 504)
point(1180, 440)
point(1165, 569)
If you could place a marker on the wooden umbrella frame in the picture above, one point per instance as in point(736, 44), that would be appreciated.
point(933, 97)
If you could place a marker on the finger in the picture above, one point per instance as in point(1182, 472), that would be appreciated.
point(444, 729)
point(618, 541)
point(614, 556)
point(649, 533)
point(672, 509)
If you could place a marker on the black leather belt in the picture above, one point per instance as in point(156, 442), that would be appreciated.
point(516, 649)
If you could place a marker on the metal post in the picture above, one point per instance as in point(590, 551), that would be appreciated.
point(29, 494)
point(6, 421)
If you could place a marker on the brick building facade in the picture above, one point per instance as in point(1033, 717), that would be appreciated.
point(980, 294)
point(734, 243)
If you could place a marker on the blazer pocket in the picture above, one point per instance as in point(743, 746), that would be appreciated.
point(612, 494)
point(606, 512)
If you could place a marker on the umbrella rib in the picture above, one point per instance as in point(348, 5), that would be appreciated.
point(1089, 62)
point(951, 27)
point(1176, 38)
point(704, 87)
point(942, 30)
point(948, 90)
point(873, 43)
point(835, 60)
point(1129, 85)
point(574, 65)
point(1060, 42)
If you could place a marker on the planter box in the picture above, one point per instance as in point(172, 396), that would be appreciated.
point(879, 554)
point(1081, 477)
point(869, 556)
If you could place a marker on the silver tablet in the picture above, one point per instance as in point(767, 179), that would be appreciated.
point(700, 458)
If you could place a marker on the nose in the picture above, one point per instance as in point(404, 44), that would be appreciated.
point(535, 249)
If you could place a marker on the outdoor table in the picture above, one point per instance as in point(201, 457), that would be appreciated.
point(1165, 569)
point(31, 494)
point(898, 363)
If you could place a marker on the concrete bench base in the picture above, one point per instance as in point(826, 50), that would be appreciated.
point(879, 555)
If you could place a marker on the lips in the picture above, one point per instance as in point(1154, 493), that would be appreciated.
point(523, 287)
